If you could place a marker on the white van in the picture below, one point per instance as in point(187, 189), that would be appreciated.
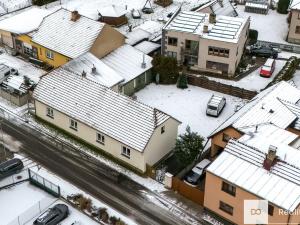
point(215, 105)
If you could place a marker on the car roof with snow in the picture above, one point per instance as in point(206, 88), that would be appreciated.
point(215, 100)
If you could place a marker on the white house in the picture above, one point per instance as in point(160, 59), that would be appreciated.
point(133, 133)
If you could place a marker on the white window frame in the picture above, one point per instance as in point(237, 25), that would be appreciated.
point(73, 126)
point(125, 151)
point(50, 112)
point(100, 138)
point(49, 54)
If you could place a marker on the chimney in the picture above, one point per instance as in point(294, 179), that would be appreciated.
point(83, 74)
point(143, 63)
point(205, 28)
point(75, 15)
point(271, 158)
point(94, 70)
point(221, 3)
point(130, 28)
point(212, 18)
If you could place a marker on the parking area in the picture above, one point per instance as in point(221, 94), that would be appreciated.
point(188, 106)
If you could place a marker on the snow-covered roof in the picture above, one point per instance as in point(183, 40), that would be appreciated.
point(137, 35)
point(101, 73)
point(120, 117)
point(147, 47)
point(295, 4)
point(112, 11)
point(224, 8)
point(242, 166)
point(59, 33)
point(259, 5)
point(127, 61)
point(269, 106)
point(25, 21)
point(226, 28)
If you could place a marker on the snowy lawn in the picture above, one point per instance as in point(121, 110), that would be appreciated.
point(24, 68)
point(19, 200)
point(188, 106)
point(271, 27)
point(253, 82)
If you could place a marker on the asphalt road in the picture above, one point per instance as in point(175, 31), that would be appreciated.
point(122, 194)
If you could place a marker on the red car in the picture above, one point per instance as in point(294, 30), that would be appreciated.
point(268, 68)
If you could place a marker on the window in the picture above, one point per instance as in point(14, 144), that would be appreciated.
point(222, 52)
point(225, 137)
point(172, 41)
point(126, 151)
point(100, 138)
point(226, 208)
point(172, 54)
point(27, 51)
point(297, 31)
point(162, 129)
point(228, 188)
point(50, 112)
point(270, 210)
point(49, 54)
point(188, 44)
point(73, 124)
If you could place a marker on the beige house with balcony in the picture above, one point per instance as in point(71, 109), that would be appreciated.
point(294, 26)
point(131, 132)
point(206, 42)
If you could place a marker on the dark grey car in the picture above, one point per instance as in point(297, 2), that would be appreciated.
point(53, 215)
point(10, 167)
point(264, 51)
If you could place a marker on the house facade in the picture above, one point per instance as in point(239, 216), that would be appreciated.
point(241, 173)
point(134, 134)
point(294, 26)
point(59, 38)
point(277, 105)
point(206, 42)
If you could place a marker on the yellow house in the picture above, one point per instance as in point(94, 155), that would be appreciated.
point(129, 131)
point(65, 35)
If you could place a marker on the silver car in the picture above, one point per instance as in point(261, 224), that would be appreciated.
point(215, 105)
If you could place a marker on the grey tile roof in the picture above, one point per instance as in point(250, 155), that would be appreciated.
point(70, 38)
point(120, 117)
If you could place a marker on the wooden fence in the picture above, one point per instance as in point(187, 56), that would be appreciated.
point(194, 194)
point(204, 82)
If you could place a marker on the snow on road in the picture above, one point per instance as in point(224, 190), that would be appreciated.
point(188, 106)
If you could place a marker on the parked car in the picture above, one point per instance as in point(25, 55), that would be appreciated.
point(197, 172)
point(215, 105)
point(4, 70)
point(268, 68)
point(10, 167)
point(53, 215)
point(135, 14)
point(263, 51)
point(147, 10)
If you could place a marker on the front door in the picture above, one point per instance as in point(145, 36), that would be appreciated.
point(34, 52)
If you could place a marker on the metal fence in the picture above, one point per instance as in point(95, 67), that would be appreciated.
point(44, 184)
point(33, 211)
point(284, 47)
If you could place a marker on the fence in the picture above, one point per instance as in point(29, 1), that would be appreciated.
point(284, 47)
point(44, 184)
point(33, 211)
point(204, 82)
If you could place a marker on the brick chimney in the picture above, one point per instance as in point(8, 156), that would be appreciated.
point(75, 15)
point(83, 74)
point(271, 158)
point(212, 18)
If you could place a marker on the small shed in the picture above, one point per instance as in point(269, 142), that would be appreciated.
point(113, 15)
point(163, 3)
point(257, 6)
